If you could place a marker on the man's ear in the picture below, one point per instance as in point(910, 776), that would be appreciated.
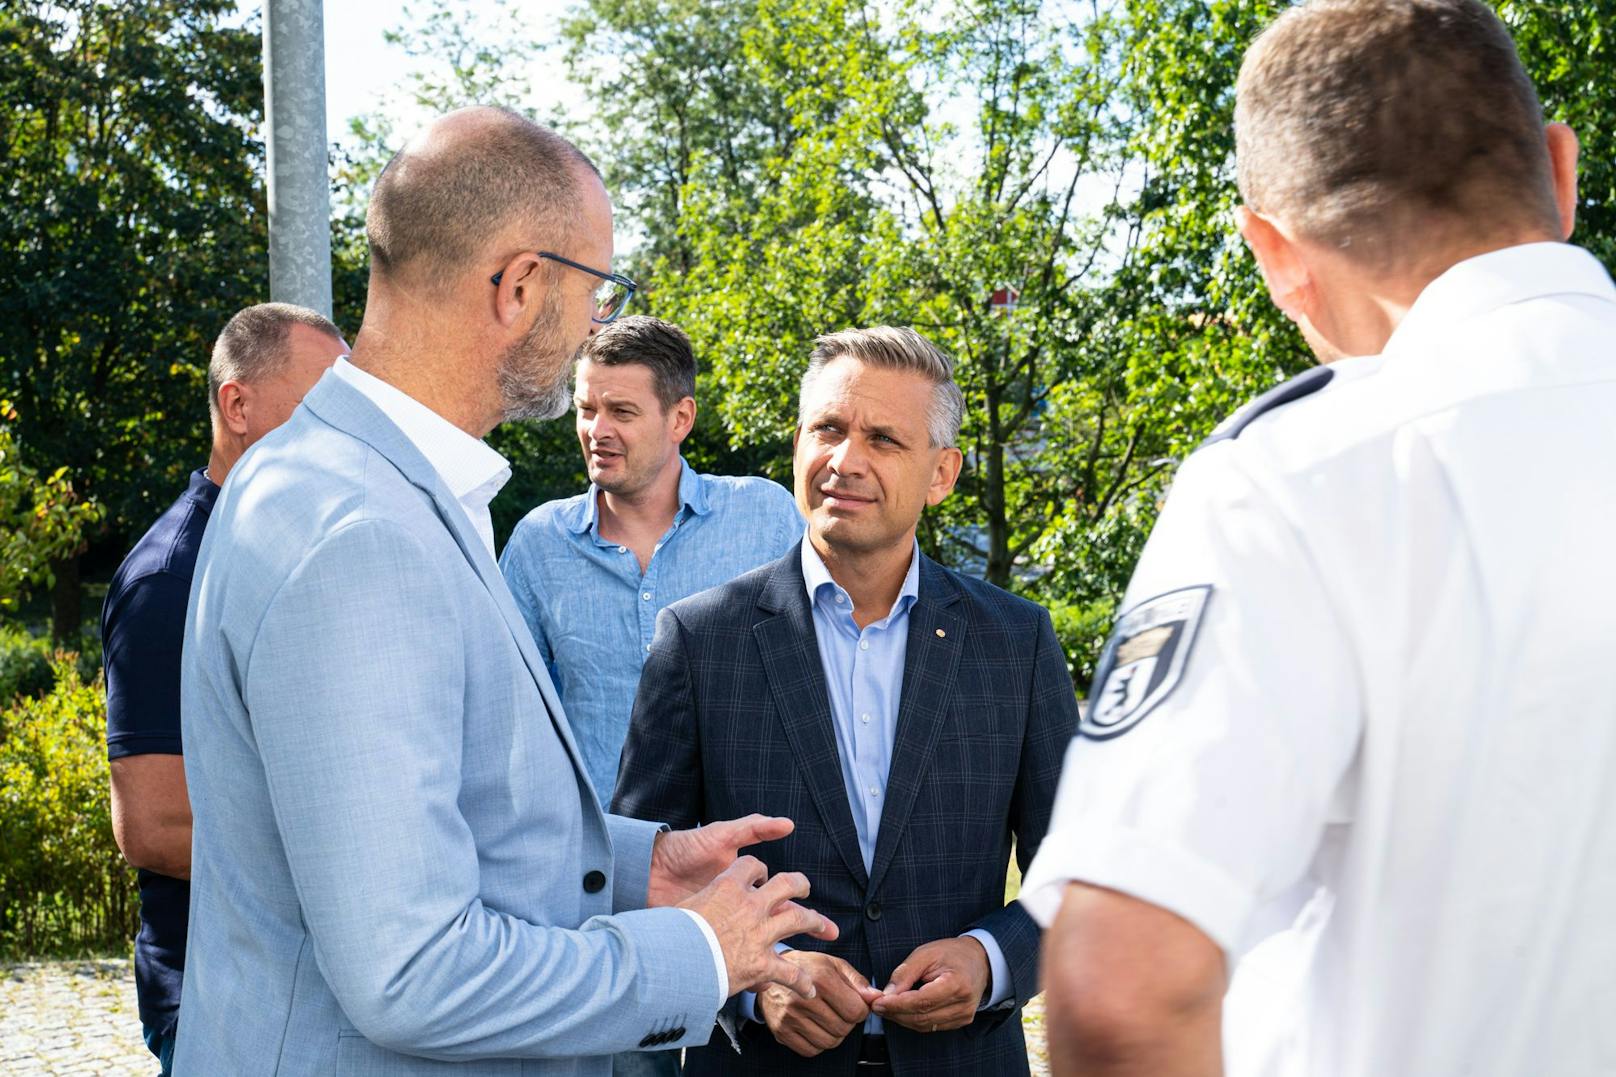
point(519, 288)
point(1286, 274)
point(1563, 149)
point(684, 419)
point(233, 407)
point(943, 479)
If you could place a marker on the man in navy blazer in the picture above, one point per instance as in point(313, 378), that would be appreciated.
point(910, 719)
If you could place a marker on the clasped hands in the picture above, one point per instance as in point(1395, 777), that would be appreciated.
point(937, 988)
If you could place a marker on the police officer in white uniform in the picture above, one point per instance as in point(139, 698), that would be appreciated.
point(1363, 673)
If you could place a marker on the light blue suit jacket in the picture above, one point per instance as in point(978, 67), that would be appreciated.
point(396, 847)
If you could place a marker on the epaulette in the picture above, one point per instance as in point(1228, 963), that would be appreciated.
point(1304, 384)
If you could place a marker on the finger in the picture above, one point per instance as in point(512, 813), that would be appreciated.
point(842, 998)
point(947, 990)
point(754, 829)
point(749, 870)
point(817, 1038)
point(789, 976)
point(785, 886)
point(855, 979)
point(904, 976)
point(792, 919)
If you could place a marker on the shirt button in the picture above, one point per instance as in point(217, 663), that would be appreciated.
point(864, 644)
point(840, 599)
point(875, 791)
point(865, 718)
point(646, 595)
point(647, 648)
point(594, 882)
point(622, 549)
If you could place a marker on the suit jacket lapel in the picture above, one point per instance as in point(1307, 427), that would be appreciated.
point(344, 407)
point(790, 653)
point(929, 668)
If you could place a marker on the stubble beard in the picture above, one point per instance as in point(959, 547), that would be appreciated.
point(535, 373)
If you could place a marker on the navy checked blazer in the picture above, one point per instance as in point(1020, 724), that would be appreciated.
point(733, 717)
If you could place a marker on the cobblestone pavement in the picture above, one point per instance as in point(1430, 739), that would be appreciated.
point(71, 1017)
point(78, 1017)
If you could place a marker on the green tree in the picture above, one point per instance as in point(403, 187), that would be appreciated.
point(41, 519)
point(132, 224)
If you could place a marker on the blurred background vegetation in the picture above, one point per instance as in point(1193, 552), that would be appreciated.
point(1044, 188)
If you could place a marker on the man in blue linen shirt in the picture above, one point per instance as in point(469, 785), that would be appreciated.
point(590, 573)
point(912, 718)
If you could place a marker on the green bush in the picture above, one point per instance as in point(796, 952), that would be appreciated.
point(64, 887)
point(25, 664)
point(1082, 631)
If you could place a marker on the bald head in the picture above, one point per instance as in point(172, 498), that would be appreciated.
point(469, 189)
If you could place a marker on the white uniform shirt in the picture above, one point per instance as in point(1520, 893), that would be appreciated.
point(1381, 679)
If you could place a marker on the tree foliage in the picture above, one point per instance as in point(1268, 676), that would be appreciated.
point(132, 226)
point(41, 518)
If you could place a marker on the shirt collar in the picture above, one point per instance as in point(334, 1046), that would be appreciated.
point(816, 578)
point(692, 496)
point(1497, 279)
point(464, 463)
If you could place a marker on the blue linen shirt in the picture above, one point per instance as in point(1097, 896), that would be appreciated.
point(864, 677)
point(593, 613)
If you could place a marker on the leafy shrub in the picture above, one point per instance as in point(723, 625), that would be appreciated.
point(64, 887)
point(1082, 630)
point(25, 664)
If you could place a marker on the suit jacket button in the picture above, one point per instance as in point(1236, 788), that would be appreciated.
point(676, 1033)
point(594, 882)
point(873, 910)
point(648, 1041)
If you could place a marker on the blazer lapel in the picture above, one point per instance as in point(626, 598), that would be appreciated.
point(790, 652)
point(936, 635)
point(344, 407)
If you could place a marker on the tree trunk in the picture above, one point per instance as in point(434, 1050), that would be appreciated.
point(993, 500)
point(67, 602)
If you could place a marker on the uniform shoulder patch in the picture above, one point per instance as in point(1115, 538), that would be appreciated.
point(1304, 384)
point(1143, 661)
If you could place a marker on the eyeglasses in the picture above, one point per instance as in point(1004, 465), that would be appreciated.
point(610, 298)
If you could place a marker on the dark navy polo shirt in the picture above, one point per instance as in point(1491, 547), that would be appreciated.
point(142, 625)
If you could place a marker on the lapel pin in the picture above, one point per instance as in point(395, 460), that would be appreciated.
point(941, 634)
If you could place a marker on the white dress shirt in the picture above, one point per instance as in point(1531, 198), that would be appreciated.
point(474, 473)
point(1362, 687)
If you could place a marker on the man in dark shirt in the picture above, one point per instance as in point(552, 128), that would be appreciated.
point(266, 358)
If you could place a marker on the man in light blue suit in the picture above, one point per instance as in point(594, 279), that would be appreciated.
point(399, 865)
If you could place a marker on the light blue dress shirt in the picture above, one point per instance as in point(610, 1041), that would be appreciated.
point(864, 676)
point(593, 613)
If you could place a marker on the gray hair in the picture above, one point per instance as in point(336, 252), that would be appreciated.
point(896, 348)
point(252, 345)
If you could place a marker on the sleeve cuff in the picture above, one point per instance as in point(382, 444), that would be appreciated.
point(998, 968)
point(1142, 866)
point(748, 1005)
point(718, 958)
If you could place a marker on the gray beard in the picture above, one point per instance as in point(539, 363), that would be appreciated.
point(534, 382)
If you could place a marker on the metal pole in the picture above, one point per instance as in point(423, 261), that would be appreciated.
point(299, 183)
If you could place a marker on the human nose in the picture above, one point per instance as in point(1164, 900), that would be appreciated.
point(847, 458)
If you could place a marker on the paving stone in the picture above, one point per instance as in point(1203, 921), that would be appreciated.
point(63, 1019)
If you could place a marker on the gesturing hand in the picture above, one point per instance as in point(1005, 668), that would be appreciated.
point(954, 973)
point(684, 861)
point(840, 1004)
point(749, 913)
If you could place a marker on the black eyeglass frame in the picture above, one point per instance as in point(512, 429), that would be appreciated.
point(615, 278)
